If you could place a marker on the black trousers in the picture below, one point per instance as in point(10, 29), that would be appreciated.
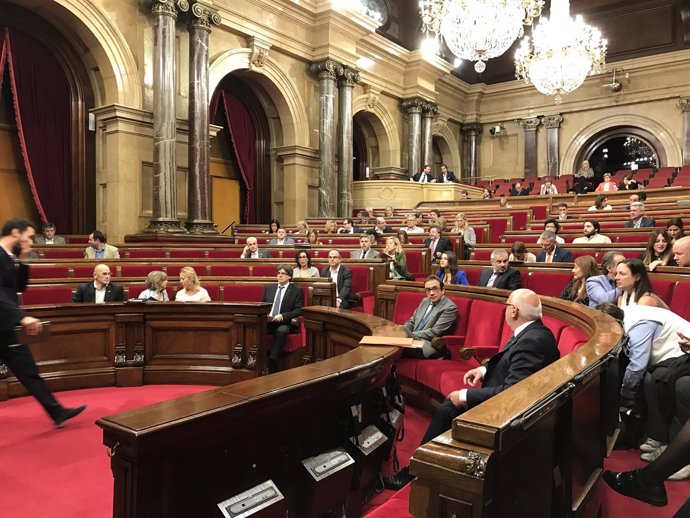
point(21, 362)
point(442, 420)
point(279, 330)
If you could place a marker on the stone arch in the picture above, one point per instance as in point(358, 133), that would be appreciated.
point(287, 100)
point(668, 147)
point(448, 145)
point(385, 129)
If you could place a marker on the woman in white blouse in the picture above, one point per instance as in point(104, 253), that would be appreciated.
point(191, 290)
point(156, 282)
point(303, 267)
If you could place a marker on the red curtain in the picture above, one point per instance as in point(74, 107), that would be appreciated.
point(41, 100)
point(242, 137)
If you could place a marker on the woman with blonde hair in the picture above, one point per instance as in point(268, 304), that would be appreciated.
point(576, 290)
point(659, 250)
point(156, 282)
point(330, 227)
point(397, 260)
point(469, 237)
point(191, 290)
point(302, 228)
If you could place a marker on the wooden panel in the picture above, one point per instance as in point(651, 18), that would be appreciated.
point(225, 201)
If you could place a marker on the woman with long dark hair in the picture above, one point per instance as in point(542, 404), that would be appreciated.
point(449, 272)
point(632, 279)
point(576, 290)
point(659, 250)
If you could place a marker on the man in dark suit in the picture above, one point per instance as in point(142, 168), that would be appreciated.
point(381, 227)
point(435, 316)
point(446, 176)
point(437, 244)
point(637, 217)
point(531, 348)
point(342, 277)
point(349, 227)
point(15, 244)
point(365, 251)
point(424, 176)
point(101, 289)
point(252, 250)
point(550, 252)
point(517, 190)
point(500, 275)
point(287, 305)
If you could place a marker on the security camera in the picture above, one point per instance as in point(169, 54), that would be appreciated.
point(494, 130)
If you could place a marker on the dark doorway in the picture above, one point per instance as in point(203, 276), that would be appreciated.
point(621, 153)
point(359, 153)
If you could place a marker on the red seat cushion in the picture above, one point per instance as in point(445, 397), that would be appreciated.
point(146, 253)
point(86, 271)
point(213, 291)
point(429, 371)
point(555, 325)
point(486, 319)
point(174, 269)
point(407, 367)
point(189, 253)
point(664, 289)
point(571, 338)
point(138, 270)
point(680, 302)
point(49, 272)
point(242, 292)
point(360, 278)
point(264, 270)
point(405, 304)
point(47, 295)
point(63, 254)
point(225, 254)
point(473, 275)
point(453, 379)
point(234, 270)
point(549, 284)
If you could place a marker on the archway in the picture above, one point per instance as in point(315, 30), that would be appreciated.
point(366, 149)
point(612, 150)
point(446, 149)
point(382, 127)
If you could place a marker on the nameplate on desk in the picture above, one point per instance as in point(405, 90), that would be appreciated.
point(398, 341)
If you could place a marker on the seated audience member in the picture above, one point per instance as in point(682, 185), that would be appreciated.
point(419, 219)
point(435, 316)
point(373, 237)
point(365, 217)
point(436, 243)
point(446, 176)
point(469, 237)
point(99, 249)
point(288, 303)
point(675, 228)
point(365, 251)
point(330, 227)
point(591, 233)
point(552, 225)
point(281, 238)
point(156, 282)
point(563, 212)
point(659, 251)
point(583, 178)
point(313, 237)
point(435, 218)
point(342, 277)
point(251, 251)
point(190, 287)
point(681, 252)
point(464, 195)
point(600, 203)
point(273, 226)
point(48, 236)
point(517, 190)
point(403, 237)
point(424, 176)
point(487, 194)
point(531, 348)
point(388, 212)
point(628, 184)
point(303, 267)
point(503, 203)
point(633, 281)
point(397, 260)
point(411, 225)
point(550, 252)
point(520, 254)
point(585, 171)
point(302, 228)
point(637, 217)
point(576, 290)
point(602, 288)
point(606, 185)
point(101, 289)
point(548, 187)
point(349, 227)
point(449, 272)
point(381, 227)
point(501, 274)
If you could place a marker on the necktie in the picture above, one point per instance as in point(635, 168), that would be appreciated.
point(276, 302)
point(432, 246)
point(423, 178)
point(424, 318)
point(549, 257)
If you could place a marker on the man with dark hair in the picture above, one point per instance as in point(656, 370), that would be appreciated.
point(381, 227)
point(99, 249)
point(436, 243)
point(15, 245)
point(446, 176)
point(591, 234)
point(349, 227)
point(48, 236)
point(602, 288)
point(563, 212)
point(342, 277)
point(424, 176)
point(287, 305)
point(365, 251)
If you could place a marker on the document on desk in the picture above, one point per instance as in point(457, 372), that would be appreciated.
point(399, 341)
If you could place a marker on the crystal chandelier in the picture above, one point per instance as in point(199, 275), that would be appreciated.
point(478, 30)
point(562, 53)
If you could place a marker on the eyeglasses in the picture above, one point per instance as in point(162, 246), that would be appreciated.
point(433, 289)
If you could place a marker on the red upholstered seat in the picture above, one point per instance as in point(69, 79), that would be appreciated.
point(146, 253)
point(664, 289)
point(680, 301)
point(225, 254)
point(86, 271)
point(47, 295)
point(482, 255)
point(138, 270)
point(188, 253)
point(405, 304)
point(456, 337)
point(549, 284)
point(213, 291)
point(234, 270)
point(429, 372)
point(49, 272)
point(134, 290)
point(632, 238)
point(485, 327)
point(407, 367)
point(63, 254)
point(242, 292)
point(414, 261)
point(473, 275)
point(264, 270)
point(174, 269)
point(453, 379)
point(581, 253)
point(479, 232)
point(571, 339)
point(396, 506)
point(555, 325)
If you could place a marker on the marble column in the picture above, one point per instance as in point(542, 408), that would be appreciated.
point(552, 123)
point(327, 72)
point(346, 84)
point(684, 105)
point(429, 111)
point(529, 126)
point(199, 219)
point(164, 128)
point(471, 131)
point(414, 134)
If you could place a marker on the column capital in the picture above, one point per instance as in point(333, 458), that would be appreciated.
point(169, 7)
point(684, 104)
point(326, 69)
point(372, 96)
point(529, 124)
point(471, 128)
point(552, 121)
point(259, 51)
point(429, 110)
point(203, 16)
point(414, 105)
point(348, 77)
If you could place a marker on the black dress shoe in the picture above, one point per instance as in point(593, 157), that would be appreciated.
point(67, 414)
point(399, 480)
point(627, 483)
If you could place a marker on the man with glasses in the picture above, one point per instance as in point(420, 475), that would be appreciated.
point(287, 303)
point(531, 348)
point(342, 277)
point(435, 316)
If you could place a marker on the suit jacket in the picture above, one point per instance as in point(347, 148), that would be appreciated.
point(355, 230)
point(87, 293)
point(646, 222)
point(386, 230)
point(601, 289)
point(521, 192)
point(441, 320)
point(263, 254)
point(291, 304)
point(344, 285)
point(13, 280)
point(508, 280)
point(533, 349)
point(560, 255)
point(418, 175)
point(450, 178)
point(288, 241)
point(111, 252)
point(57, 240)
point(443, 245)
point(371, 254)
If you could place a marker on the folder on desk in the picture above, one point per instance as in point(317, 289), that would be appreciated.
point(399, 341)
